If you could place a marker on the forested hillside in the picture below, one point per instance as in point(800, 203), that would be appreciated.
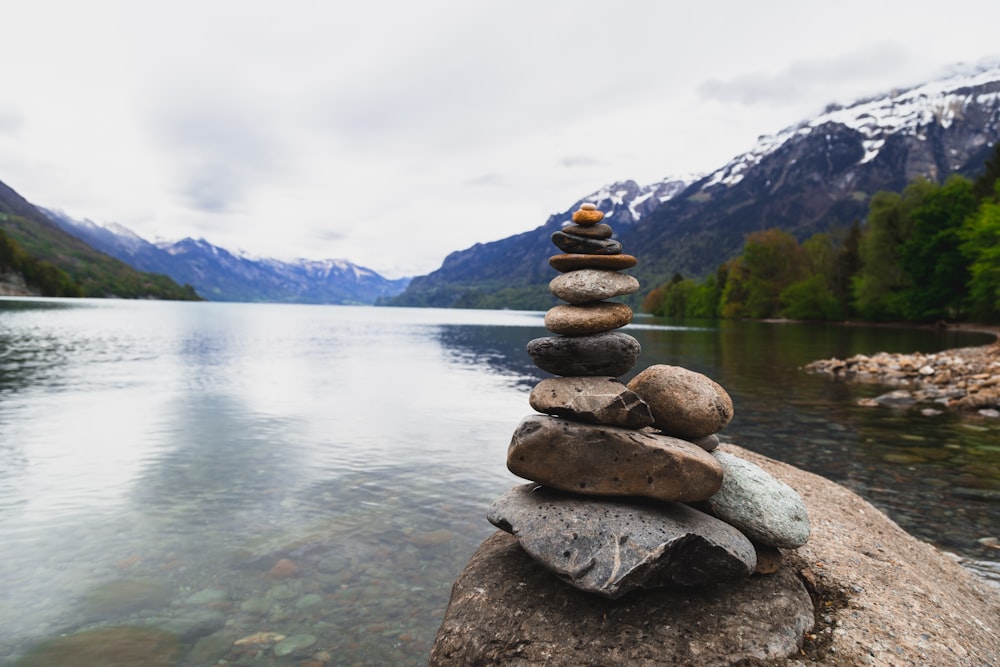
point(928, 253)
point(38, 243)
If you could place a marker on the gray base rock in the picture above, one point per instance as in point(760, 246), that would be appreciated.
point(613, 547)
point(506, 609)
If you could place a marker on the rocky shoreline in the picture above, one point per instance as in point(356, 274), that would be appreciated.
point(965, 379)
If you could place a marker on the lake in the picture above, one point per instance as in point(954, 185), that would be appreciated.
point(177, 476)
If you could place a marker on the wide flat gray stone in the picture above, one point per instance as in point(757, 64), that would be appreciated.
point(611, 353)
point(767, 510)
point(612, 547)
point(597, 400)
point(612, 461)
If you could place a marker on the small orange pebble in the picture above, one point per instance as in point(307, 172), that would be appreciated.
point(585, 217)
point(588, 207)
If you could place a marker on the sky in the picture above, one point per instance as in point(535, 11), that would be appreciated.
point(391, 133)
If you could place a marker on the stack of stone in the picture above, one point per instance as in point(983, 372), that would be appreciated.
point(621, 466)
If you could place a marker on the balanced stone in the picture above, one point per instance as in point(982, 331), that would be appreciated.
point(599, 400)
point(600, 231)
point(574, 261)
point(610, 353)
point(709, 443)
point(612, 547)
point(613, 461)
point(586, 216)
point(584, 245)
point(586, 285)
point(589, 318)
point(685, 404)
point(767, 510)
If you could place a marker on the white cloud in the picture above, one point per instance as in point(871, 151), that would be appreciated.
point(392, 133)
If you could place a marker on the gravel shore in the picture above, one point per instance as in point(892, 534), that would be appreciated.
point(966, 378)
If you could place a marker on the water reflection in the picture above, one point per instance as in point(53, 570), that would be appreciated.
point(216, 470)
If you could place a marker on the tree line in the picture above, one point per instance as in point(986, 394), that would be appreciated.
point(928, 253)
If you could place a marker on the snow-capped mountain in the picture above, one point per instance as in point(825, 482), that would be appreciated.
point(507, 273)
point(220, 275)
point(913, 112)
point(817, 175)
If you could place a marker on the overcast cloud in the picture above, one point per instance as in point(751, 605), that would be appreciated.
point(392, 133)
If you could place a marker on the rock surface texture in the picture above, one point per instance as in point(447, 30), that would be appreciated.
point(883, 598)
point(767, 510)
point(608, 460)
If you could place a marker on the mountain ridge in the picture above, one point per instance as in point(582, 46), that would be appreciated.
point(816, 175)
point(219, 274)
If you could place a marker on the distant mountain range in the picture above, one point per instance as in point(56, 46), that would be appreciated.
point(815, 176)
point(220, 275)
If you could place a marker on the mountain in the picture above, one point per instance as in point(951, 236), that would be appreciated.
point(95, 273)
point(514, 272)
point(815, 176)
point(220, 275)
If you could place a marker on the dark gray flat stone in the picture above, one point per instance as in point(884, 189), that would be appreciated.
point(612, 547)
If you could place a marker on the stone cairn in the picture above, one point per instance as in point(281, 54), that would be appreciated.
point(628, 488)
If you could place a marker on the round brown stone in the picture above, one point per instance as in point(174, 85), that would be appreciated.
point(573, 261)
point(590, 318)
point(585, 217)
point(685, 404)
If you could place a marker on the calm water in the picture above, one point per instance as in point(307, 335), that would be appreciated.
point(220, 470)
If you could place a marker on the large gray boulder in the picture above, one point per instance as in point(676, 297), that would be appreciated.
point(507, 610)
point(612, 547)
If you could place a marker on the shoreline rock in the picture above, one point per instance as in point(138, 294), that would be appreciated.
point(881, 597)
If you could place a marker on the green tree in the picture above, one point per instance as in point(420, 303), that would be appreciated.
point(931, 255)
point(771, 261)
point(981, 245)
point(878, 283)
point(985, 186)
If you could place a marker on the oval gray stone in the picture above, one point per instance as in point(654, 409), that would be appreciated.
point(685, 404)
point(589, 318)
point(587, 285)
point(611, 353)
point(608, 460)
point(598, 231)
point(571, 243)
point(599, 400)
point(611, 547)
point(767, 510)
